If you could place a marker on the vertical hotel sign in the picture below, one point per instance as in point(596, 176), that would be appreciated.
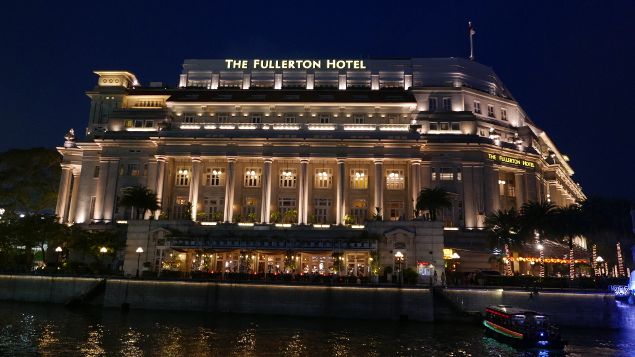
point(511, 161)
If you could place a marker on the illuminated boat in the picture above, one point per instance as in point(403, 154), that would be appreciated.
point(522, 328)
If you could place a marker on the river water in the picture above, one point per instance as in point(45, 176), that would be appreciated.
point(52, 330)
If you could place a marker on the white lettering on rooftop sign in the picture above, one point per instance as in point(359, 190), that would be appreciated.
point(294, 64)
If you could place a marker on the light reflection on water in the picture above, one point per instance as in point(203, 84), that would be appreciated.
point(51, 330)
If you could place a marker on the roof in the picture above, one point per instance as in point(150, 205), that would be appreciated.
point(509, 310)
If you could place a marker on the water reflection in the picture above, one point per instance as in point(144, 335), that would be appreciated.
point(50, 330)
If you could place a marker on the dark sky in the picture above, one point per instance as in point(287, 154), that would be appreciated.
point(568, 63)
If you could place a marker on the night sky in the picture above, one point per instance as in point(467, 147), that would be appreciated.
point(568, 63)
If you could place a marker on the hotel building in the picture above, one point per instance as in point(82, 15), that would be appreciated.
point(320, 147)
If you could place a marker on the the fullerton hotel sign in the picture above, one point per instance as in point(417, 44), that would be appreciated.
point(294, 64)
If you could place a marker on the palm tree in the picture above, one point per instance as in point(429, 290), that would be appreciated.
point(538, 218)
point(433, 199)
point(570, 223)
point(140, 199)
point(504, 225)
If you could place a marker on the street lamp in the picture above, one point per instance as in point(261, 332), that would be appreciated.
point(58, 250)
point(103, 250)
point(399, 259)
point(139, 251)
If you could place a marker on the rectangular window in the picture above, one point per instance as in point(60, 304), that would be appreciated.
point(222, 118)
point(285, 206)
point(395, 210)
point(446, 174)
point(96, 171)
point(447, 104)
point(359, 179)
point(214, 208)
point(325, 118)
point(359, 211)
point(250, 207)
point(359, 119)
point(91, 212)
point(189, 118)
point(394, 179)
point(503, 114)
point(432, 104)
point(145, 170)
point(214, 176)
point(138, 123)
point(256, 119)
point(180, 207)
point(132, 169)
point(434, 174)
point(322, 207)
point(289, 119)
point(455, 126)
point(182, 177)
point(323, 178)
point(434, 126)
point(129, 123)
point(444, 126)
point(477, 107)
point(288, 178)
point(149, 123)
point(459, 176)
point(253, 177)
point(490, 111)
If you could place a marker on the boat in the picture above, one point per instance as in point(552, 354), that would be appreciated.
point(522, 328)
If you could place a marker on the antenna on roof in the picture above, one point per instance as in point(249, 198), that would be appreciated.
point(472, 32)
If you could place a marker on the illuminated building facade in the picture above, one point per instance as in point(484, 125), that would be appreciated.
point(312, 144)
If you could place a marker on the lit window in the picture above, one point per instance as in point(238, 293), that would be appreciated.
point(250, 208)
point(446, 174)
point(289, 119)
point(256, 119)
point(447, 104)
point(325, 118)
point(359, 119)
point(359, 211)
point(182, 177)
point(477, 107)
point(132, 169)
point(459, 176)
point(432, 104)
point(394, 179)
point(252, 177)
point(214, 176)
point(323, 178)
point(180, 207)
point(213, 208)
point(503, 114)
point(129, 123)
point(288, 178)
point(286, 208)
point(444, 126)
point(434, 174)
point(395, 210)
point(359, 179)
point(490, 111)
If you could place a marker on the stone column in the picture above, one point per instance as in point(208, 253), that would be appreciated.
point(469, 199)
point(74, 198)
point(492, 190)
point(425, 176)
point(110, 193)
point(229, 189)
point(519, 187)
point(266, 191)
point(340, 205)
point(414, 183)
point(194, 183)
point(379, 186)
point(161, 167)
point(303, 192)
point(63, 193)
point(100, 192)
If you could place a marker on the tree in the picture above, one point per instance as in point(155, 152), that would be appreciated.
point(570, 224)
point(537, 218)
point(433, 199)
point(140, 199)
point(504, 225)
point(29, 180)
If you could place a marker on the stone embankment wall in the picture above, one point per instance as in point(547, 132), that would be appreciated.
point(574, 308)
point(43, 288)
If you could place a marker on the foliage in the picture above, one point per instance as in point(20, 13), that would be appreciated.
point(29, 180)
point(141, 199)
point(290, 216)
point(505, 226)
point(410, 276)
point(537, 217)
point(348, 219)
point(274, 217)
point(433, 199)
point(377, 216)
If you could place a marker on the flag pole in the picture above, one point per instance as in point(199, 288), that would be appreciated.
point(471, 32)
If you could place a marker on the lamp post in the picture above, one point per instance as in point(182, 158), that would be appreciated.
point(58, 250)
point(598, 261)
point(139, 251)
point(399, 259)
